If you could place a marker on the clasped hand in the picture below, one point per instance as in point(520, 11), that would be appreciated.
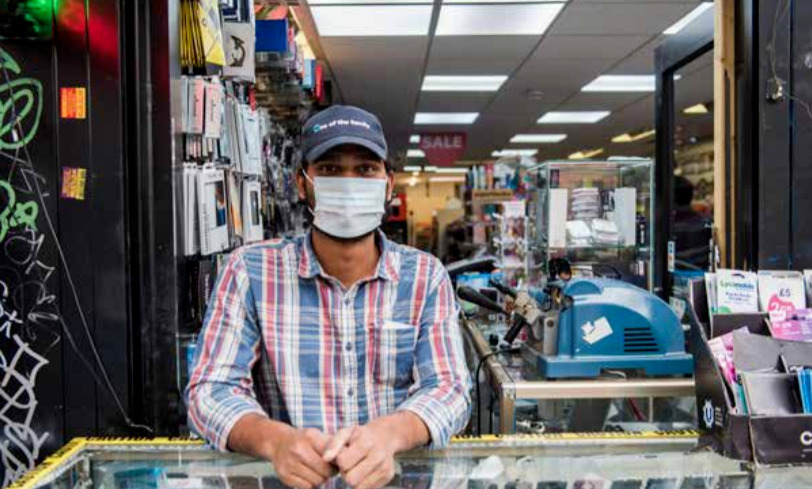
point(363, 455)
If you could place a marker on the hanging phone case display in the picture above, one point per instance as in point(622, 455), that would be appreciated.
point(191, 224)
point(201, 35)
point(252, 216)
point(213, 211)
point(239, 39)
point(511, 242)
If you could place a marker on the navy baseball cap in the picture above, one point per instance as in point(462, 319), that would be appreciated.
point(342, 124)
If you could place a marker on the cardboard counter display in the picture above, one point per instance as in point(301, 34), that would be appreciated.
point(773, 434)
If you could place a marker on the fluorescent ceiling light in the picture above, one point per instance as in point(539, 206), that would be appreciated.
point(445, 117)
point(514, 152)
point(585, 155)
point(447, 179)
point(633, 138)
point(357, 21)
point(415, 153)
point(430, 169)
point(435, 83)
point(414, 139)
point(685, 21)
point(499, 1)
point(369, 2)
point(538, 138)
point(496, 20)
point(452, 170)
point(622, 83)
point(412, 168)
point(573, 117)
point(696, 109)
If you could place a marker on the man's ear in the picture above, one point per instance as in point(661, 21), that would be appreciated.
point(390, 185)
point(301, 184)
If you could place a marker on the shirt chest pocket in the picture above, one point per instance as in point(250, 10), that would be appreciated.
point(391, 352)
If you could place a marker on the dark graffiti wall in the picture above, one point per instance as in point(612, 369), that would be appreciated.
point(65, 332)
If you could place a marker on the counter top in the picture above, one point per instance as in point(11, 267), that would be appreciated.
point(601, 461)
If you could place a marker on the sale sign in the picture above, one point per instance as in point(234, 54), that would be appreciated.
point(443, 149)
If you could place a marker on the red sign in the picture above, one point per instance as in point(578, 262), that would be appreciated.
point(443, 148)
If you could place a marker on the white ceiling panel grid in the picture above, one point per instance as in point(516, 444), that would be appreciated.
point(596, 19)
point(581, 41)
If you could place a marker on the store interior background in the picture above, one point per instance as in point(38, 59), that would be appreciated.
point(544, 71)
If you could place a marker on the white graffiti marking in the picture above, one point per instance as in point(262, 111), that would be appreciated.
point(20, 449)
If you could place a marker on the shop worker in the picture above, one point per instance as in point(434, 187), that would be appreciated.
point(332, 352)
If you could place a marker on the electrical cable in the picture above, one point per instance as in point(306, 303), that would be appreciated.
point(75, 295)
point(476, 379)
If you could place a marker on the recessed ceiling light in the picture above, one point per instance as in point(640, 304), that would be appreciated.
point(357, 21)
point(414, 139)
point(451, 170)
point(496, 20)
point(622, 83)
point(436, 83)
point(445, 117)
point(415, 153)
point(690, 17)
point(583, 117)
point(447, 179)
point(514, 152)
point(633, 138)
point(411, 168)
point(538, 138)
point(585, 155)
point(696, 109)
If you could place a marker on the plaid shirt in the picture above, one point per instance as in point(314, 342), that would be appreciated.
point(282, 338)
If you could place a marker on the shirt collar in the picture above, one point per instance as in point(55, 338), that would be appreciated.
point(387, 269)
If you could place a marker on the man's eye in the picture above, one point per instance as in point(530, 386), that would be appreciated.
point(328, 169)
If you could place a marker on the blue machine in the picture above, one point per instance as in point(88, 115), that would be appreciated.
point(607, 324)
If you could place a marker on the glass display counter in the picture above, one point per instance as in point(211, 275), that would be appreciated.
point(505, 463)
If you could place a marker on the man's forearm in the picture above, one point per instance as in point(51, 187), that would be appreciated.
point(257, 435)
point(407, 429)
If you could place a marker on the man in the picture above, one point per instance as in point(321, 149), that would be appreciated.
point(339, 349)
point(692, 232)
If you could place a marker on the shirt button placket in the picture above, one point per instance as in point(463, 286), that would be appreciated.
point(350, 404)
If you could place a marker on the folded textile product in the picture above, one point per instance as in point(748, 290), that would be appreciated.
point(579, 233)
point(605, 232)
point(586, 203)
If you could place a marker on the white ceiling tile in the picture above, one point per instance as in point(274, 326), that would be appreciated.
point(589, 47)
point(453, 102)
point(470, 55)
point(619, 18)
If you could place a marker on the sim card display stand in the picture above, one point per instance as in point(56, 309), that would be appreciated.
point(759, 415)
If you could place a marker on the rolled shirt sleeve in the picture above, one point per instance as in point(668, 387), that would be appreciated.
point(220, 390)
point(441, 396)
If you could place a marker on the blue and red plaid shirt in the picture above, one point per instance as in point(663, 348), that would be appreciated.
point(283, 339)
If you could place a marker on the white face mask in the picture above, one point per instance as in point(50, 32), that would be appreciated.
point(348, 207)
